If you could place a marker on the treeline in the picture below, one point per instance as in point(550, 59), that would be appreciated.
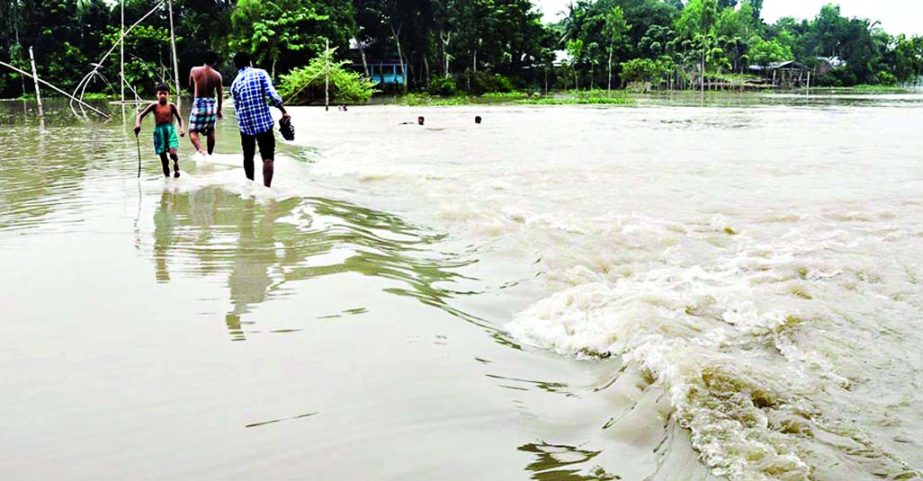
point(452, 45)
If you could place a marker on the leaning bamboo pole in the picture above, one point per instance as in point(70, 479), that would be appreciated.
point(82, 85)
point(179, 97)
point(38, 92)
point(56, 89)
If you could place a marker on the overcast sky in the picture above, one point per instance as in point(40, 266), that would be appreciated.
point(896, 16)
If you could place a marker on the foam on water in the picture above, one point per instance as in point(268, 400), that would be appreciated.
point(760, 268)
point(758, 345)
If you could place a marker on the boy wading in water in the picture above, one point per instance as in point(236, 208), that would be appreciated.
point(164, 134)
point(206, 108)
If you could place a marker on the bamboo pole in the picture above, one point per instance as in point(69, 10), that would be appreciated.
point(327, 75)
point(81, 86)
point(27, 74)
point(179, 102)
point(122, 52)
point(38, 92)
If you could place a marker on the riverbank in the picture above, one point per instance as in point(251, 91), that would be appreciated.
point(618, 97)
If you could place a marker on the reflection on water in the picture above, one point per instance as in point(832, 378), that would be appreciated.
point(249, 280)
point(263, 247)
point(164, 227)
point(40, 173)
point(564, 463)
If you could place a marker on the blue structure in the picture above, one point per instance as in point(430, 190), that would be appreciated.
point(386, 72)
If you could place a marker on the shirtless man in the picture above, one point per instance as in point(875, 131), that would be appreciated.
point(206, 108)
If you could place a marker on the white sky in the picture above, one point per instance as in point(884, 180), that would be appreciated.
point(896, 16)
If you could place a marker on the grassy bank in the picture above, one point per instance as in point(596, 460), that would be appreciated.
point(865, 89)
point(618, 97)
point(588, 97)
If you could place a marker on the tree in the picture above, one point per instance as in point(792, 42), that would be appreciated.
point(697, 24)
point(615, 29)
point(305, 84)
point(736, 27)
point(575, 50)
point(275, 30)
point(645, 70)
point(763, 52)
point(907, 58)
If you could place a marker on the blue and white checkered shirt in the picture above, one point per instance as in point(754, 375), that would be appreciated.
point(250, 90)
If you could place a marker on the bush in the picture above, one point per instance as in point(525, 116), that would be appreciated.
point(480, 83)
point(645, 71)
point(443, 87)
point(887, 78)
point(839, 77)
point(305, 85)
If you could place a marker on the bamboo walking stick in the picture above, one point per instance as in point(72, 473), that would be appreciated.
point(138, 141)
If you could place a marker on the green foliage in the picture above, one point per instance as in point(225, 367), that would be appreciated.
point(443, 86)
point(305, 85)
point(427, 100)
point(480, 83)
point(840, 77)
point(147, 57)
point(887, 78)
point(646, 70)
point(585, 97)
point(698, 18)
point(279, 31)
point(485, 45)
point(763, 52)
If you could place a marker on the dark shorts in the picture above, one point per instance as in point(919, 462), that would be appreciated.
point(266, 141)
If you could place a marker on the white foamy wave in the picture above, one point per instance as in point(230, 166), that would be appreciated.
point(768, 282)
point(742, 345)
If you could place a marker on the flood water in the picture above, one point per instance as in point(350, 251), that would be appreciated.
point(672, 291)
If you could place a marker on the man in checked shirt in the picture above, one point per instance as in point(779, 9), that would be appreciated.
point(250, 90)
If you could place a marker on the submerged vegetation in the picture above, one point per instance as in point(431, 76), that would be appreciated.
point(447, 48)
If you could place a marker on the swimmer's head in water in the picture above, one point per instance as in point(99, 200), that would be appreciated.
point(420, 120)
point(163, 92)
point(477, 119)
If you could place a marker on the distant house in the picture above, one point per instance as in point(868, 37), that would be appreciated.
point(561, 57)
point(826, 65)
point(788, 74)
point(387, 71)
point(383, 72)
